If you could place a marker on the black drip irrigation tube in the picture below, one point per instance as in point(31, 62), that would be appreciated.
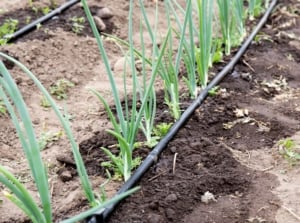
point(100, 216)
point(41, 20)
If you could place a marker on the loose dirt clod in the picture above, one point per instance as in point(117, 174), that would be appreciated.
point(105, 13)
point(208, 197)
point(99, 23)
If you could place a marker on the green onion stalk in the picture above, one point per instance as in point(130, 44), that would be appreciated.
point(128, 122)
point(203, 55)
point(225, 21)
point(239, 21)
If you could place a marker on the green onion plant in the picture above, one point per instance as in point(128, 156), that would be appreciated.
point(169, 69)
point(128, 120)
point(188, 27)
point(255, 8)
point(239, 21)
point(203, 54)
point(17, 193)
point(147, 123)
point(65, 123)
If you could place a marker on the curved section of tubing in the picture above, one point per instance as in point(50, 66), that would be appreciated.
point(100, 216)
point(41, 20)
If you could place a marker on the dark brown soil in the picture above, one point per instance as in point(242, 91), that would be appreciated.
point(61, 21)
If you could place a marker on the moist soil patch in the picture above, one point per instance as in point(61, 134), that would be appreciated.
point(228, 147)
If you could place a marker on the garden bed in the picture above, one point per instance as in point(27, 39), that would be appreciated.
point(229, 146)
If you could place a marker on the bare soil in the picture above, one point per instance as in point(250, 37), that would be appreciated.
point(229, 147)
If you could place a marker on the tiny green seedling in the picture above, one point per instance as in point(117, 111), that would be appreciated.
point(6, 29)
point(158, 132)
point(255, 8)
point(38, 26)
point(61, 88)
point(45, 10)
point(262, 37)
point(45, 103)
point(28, 19)
point(214, 91)
point(77, 24)
point(162, 129)
point(102, 197)
point(116, 163)
point(46, 138)
point(217, 50)
point(288, 149)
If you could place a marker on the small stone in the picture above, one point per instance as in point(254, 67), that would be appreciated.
point(105, 13)
point(36, 121)
point(121, 66)
point(154, 205)
point(195, 144)
point(295, 44)
point(155, 218)
point(99, 23)
point(66, 176)
point(65, 159)
point(170, 213)
point(171, 198)
point(173, 149)
point(208, 197)
point(74, 80)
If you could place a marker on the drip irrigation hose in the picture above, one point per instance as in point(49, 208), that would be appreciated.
point(101, 215)
point(42, 19)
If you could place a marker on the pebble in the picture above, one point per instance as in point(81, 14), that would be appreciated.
point(295, 44)
point(105, 13)
point(154, 205)
point(118, 67)
point(171, 198)
point(155, 218)
point(74, 80)
point(99, 23)
point(66, 176)
point(170, 213)
point(36, 121)
point(173, 149)
point(65, 159)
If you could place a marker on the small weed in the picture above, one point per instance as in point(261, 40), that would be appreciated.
point(162, 129)
point(61, 88)
point(77, 24)
point(53, 4)
point(28, 19)
point(45, 10)
point(35, 9)
point(38, 26)
point(262, 37)
point(44, 102)
point(214, 91)
point(6, 29)
point(46, 138)
point(290, 57)
point(288, 149)
point(102, 197)
point(113, 166)
point(217, 50)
